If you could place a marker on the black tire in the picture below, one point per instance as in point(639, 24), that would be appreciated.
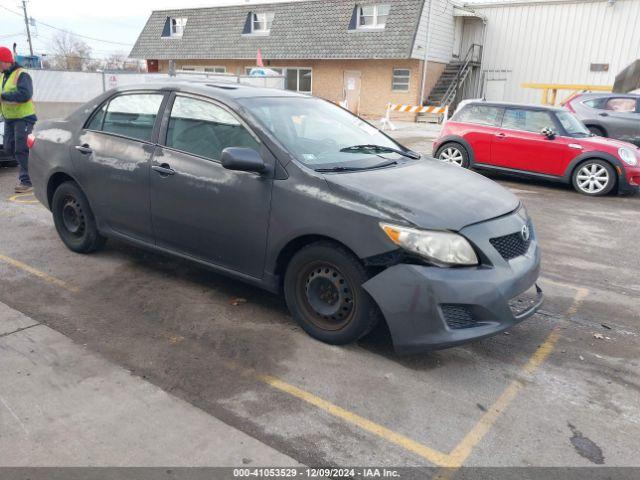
point(589, 170)
point(74, 219)
point(323, 290)
point(597, 131)
point(451, 148)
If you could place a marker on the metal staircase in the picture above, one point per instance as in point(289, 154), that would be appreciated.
point(450, 84)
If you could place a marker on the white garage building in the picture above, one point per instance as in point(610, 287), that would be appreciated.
point(543, 41)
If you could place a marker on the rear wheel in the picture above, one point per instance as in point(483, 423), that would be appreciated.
point(597, 131)
point(453, 153)
point(323, 290)
point(74, 219)
point(594, 177)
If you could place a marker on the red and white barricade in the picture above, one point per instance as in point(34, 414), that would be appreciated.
point(396, 107)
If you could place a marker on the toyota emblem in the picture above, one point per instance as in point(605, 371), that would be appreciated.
point(525, 233)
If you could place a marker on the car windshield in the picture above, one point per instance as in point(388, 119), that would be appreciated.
point(322, 135)
point(573, 126)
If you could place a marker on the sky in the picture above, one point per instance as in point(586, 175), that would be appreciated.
point(118, 21)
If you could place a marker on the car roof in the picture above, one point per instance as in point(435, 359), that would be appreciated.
point(213, 89)
point(528, 106)
point(587, 95)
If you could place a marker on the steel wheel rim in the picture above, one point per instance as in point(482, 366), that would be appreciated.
point(73, 218)
point(327, 296)
point(452, 155)
point(592, 178)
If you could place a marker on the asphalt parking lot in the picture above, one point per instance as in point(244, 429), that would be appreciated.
point(561, 389)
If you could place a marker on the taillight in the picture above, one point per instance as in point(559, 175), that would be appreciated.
point(31, 140)
point(567, 102)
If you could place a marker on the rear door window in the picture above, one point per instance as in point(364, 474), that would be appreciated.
point(133, 115)
point(527, 120)
point(205, 129)
point(480, 114)
point(98, 117)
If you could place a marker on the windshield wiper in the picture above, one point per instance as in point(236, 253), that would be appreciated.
point(380, 149)
point(355, 169)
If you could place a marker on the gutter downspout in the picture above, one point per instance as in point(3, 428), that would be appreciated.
point(426, 54)
point(481, 82)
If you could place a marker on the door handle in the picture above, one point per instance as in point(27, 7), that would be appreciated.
point(604, 114)
point(84, 149)
point(501, 135)
point(164, 170)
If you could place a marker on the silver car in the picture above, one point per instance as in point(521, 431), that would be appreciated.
point(614, 115)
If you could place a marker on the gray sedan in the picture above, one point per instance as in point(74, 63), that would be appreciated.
point(5, 159)
point(295, 195)
point(611, 115)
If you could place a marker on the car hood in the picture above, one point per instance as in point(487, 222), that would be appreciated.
point(610, 145)
point(427, 194)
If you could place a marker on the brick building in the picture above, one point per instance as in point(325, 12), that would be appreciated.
point(366, 52)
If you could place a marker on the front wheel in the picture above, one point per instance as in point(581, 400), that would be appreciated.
point(454, 154)
point(323, 290)
point(74, 219)
point(594, 178)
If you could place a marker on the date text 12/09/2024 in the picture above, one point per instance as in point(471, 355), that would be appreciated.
point(315, 473)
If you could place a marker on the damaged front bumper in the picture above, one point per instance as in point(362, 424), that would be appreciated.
point(429, 307)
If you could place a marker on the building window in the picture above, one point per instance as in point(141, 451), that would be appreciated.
point(261, 22)
point(401, 77)
point(298, 80)
point(372, 16)
point(215, 69)
point(177, 25)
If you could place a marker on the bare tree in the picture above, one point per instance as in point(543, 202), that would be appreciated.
point(71, 53)
point(121, 61)
point(116, 61)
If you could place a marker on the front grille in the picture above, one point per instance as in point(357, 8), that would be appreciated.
point(511, 246)
point(458, 316)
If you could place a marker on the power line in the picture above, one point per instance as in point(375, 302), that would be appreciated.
point(69, 31)
point(9, 35)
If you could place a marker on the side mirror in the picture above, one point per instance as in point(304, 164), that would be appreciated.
point(549, 133)
point(243, 160)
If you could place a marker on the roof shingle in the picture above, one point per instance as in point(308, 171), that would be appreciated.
point(300, 30)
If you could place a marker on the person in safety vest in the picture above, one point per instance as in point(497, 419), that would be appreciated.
point(16, 106)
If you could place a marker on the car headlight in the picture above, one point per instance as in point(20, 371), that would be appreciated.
point(628, 156)
point(444, 249)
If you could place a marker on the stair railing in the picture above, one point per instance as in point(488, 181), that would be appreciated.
point(462, 73)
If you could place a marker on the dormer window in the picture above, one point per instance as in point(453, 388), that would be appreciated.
point(371, 17)
point(261, 22)
point(177, 25)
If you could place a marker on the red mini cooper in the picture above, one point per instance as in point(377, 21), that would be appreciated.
point(538, 141)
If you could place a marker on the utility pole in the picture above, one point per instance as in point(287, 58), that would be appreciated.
point(26, 22)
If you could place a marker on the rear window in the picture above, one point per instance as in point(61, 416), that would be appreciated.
point(132, 115)
point(595, 103)
point(480, 114)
